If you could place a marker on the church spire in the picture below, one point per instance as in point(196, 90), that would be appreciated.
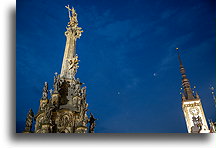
point(188, 93)
point(70, 59)
point(191, 105)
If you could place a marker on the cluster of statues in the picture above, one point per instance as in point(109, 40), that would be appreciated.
point(72, 24)
point(75, 90)
point(67, 104)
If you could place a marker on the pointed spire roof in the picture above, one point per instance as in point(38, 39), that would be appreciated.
point(188, 93)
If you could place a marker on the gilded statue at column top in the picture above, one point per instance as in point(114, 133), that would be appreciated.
point(72, 13)
point(73, 24)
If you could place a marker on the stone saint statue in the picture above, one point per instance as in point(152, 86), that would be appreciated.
point(92, 123)
point(51, 91)
point(56, 83)
point(45, 91)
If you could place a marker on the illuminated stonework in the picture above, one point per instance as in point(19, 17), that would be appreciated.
point(191, 106)
point(66, 109)
point(194, 116)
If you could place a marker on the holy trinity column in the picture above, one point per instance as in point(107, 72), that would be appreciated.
point(66, 109)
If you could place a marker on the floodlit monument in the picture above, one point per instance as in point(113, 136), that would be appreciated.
point(66, 109)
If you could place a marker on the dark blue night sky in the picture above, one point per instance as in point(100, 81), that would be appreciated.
point(127, 58)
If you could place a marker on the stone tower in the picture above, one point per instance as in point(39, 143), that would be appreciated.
point(66, 109)
point(191, 105)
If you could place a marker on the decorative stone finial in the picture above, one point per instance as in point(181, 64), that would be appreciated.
point(29, 121)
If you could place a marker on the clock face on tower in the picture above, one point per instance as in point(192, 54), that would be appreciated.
point(194, 111)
